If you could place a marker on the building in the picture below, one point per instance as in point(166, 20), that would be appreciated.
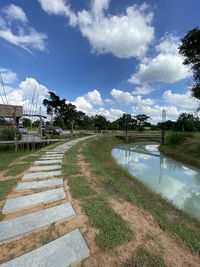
point(10, 115)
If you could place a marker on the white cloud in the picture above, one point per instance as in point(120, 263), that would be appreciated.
point(121, 97)
point(124, 35)
point(94, 97)
point(23, 95)
point(184, 101)
point(142, 90)
point(18, 32)
point(167, 66)
point(59, 7)
point(8, 76)
point(14, 12)
point(83, 105)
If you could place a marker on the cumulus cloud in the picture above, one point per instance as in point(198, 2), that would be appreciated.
point(23, 35)
point(94, 97)
point(8, 76)
point(184, 101)
point(14, 12)
point(167, 66)
point(143, 90)
point(124, 35)
point(121, 97)
point(29, 94)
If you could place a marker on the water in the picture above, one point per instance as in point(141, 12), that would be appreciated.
point(176, 181)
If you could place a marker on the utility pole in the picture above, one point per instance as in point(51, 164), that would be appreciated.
point(163, 127)
point(40, 124)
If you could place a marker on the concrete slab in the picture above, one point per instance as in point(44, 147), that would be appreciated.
point(13, 228)
point(64, 251)
point(41, 175)
point(24, 202)
point(50, 157)
point(44, 168)
point(47, 162)
point(38, 184)
point(54, 152)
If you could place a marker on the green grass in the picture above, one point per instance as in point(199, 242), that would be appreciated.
point(8, 157)
point(144, 258)
point(5, 187)
point(69, 161)
point(117, 181)
point(79, 187)
point(16, 170)
point(187, 152)
point(113, 230)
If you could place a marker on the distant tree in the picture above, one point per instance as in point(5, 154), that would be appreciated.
point(141, 120)
point(190, 49)
point(100, 122)
point(36, 123)
point(186, 122)
point(26, 122)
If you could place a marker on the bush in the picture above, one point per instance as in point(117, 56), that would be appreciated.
point(7, 134)
point(176, 138)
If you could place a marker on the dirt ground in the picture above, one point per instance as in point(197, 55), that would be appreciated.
point(147, 233)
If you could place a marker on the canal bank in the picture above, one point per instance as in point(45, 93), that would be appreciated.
point(117, 182)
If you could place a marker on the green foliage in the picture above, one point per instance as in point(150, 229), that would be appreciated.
point(144, 258)
point(79, 187)
point(7, 134)
point(5, 187)
point(176, 138)
point(190, 49)
point(113, 229)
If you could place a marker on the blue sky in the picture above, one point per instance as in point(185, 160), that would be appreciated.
point(107, 57)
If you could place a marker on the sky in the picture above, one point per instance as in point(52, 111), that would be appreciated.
point(106, 57)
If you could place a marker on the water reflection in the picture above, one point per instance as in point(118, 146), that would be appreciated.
point(176, 181)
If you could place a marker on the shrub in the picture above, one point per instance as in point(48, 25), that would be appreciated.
point(7, 134)
point(175, 138)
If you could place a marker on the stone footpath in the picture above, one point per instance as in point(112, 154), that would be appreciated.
point(45, 173)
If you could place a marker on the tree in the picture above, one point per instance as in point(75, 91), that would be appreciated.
point(190, 49)
point(141, 120)
point(26, 122)
point(100, 122)
point(186, 122)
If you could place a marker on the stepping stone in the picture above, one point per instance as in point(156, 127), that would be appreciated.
point(65, 251)
point(52, 152)
point(46, 162)
point(41, 175)
point(10, 229)
point(44, 168)
point(39, 184)
point(51, 157)
point(24, 202)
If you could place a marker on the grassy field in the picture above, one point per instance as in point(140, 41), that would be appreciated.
point(187, 152)
point(113, 230)
point(116, 181)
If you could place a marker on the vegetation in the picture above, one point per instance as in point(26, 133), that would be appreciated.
point(144, 258)
point(79, 187)
point(186, 151)
point(113, 230)
point(190, 49)
point(176, 138)
point(116, 181)
point(5, 187)
point(7, 134)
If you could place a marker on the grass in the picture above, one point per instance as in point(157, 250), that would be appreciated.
point(187, 152)
point(8, 157)
point(117, 181)
point(113, 230)
point(79, 187)
point(5, 187)
point(16, 170)
point(69, 161)
point(144, 258)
